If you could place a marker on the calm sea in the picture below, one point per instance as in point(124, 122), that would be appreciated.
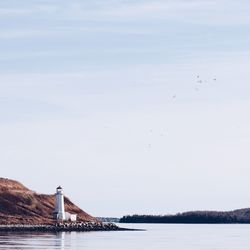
point(172, 237)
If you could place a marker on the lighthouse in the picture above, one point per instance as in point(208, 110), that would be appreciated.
point(59, 212)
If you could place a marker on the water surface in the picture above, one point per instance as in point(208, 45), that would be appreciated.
point(168, 236)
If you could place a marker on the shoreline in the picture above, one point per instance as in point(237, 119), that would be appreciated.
point(63, 227)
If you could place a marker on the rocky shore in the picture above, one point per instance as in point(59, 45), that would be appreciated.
point(63, 227)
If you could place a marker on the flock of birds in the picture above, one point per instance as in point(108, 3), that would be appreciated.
point(199, 81)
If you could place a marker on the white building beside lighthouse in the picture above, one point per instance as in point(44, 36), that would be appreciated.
point(59, 212)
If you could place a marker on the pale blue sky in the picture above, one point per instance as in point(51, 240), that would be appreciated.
point(104, 98)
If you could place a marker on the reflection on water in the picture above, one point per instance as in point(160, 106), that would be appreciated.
point(33, 240)
point(157, 237)
point(60, 238)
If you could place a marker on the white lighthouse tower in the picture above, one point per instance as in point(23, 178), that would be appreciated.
point(59, 205)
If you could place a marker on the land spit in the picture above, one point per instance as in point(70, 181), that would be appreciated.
point(63, 227)
point(25, 210)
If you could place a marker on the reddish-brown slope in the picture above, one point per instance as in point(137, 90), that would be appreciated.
point(18, 204)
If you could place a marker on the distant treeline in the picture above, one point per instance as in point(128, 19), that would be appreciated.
point(196, 217)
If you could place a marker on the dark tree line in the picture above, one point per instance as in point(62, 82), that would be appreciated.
point(198, 217)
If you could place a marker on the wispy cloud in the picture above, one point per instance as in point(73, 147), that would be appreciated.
point(130, 11)
point(70, 34)
point(207, 11)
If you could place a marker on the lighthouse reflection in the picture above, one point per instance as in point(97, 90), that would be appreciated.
point(60, 240)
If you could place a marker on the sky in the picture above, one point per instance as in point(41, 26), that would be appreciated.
point(133, 106)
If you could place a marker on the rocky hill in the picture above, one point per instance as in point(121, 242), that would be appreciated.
point(19, 205)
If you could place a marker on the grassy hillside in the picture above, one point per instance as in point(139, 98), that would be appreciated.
point(18, 204)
